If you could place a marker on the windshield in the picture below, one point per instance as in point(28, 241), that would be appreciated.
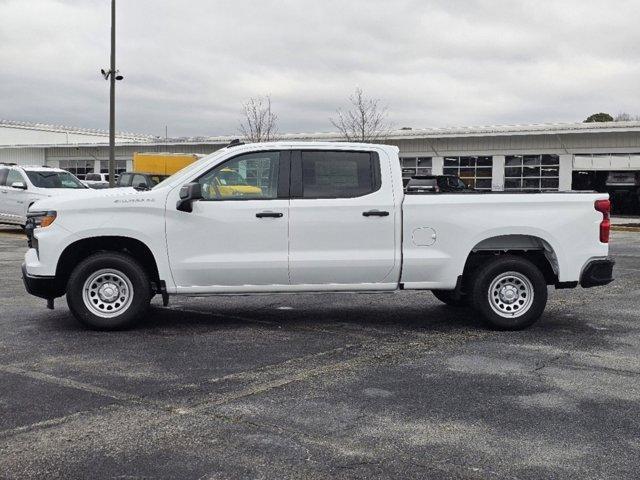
point(192, 166)
point(47, 179)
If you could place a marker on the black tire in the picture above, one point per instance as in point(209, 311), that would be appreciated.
point(510, 296)
point(132, 290)
point(448, 297)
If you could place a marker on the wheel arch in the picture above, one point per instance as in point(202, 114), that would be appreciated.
point(536, 249)
point(77, 251)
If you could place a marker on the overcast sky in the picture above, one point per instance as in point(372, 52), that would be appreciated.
point(191, 64)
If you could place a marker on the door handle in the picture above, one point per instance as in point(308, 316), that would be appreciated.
point(375, 213)
point(268, 214)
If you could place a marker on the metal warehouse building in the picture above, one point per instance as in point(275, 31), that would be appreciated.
point(544, 157)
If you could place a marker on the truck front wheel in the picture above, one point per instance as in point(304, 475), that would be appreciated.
point(108, 291)
point(509, 292)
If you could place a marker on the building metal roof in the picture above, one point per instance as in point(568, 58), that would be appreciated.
point(45, 127)
point(400, 134)
point(444, 132)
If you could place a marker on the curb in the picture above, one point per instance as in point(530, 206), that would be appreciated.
point(621, 228)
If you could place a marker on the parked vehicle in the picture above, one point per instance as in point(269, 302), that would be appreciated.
point(624, 189)
point(139, 180)
point(435, 184)
point(164, 164)
point(97, 180)
point(327, 217)
point(21, 186)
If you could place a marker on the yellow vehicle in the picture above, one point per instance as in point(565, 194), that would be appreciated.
point(229, 183)
point(163, 164)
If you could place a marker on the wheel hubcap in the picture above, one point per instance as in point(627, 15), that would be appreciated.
point(107, 293)
point(511, 294)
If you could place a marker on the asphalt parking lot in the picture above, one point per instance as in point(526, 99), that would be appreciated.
point(323, 386)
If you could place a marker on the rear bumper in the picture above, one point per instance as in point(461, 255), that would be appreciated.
point(597, 272)
point(43, 287)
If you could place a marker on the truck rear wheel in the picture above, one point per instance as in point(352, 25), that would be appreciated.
point(449, 297)
point(108, 291)
point(510, 293)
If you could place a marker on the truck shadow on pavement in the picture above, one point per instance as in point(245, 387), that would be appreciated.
point(560, 326)
point(428, 317)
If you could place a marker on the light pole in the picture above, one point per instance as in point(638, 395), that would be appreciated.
point(112, 75)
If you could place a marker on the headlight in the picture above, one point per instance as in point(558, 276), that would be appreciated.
point(41, 219)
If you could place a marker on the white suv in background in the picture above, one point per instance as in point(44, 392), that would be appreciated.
point(97, 180)
point(20, 186)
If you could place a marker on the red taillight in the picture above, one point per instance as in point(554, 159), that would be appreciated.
point(604, 206)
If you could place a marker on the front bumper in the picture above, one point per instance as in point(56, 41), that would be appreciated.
point(597, 272)
point(43, 287)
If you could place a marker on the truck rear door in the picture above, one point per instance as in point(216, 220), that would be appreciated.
point(342, 221)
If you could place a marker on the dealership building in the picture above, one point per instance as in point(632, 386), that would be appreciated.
point(541, 157)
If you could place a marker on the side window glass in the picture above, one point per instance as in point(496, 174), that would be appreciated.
point(250, 176)
point(124, 179)
point(337, 174)
point(3, 176)
point(138, 179)
point(14, 176)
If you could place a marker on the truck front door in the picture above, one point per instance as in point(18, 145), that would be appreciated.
point(236, 237)
point(342, 231)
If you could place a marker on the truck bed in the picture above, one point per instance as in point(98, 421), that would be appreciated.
point(440, 231)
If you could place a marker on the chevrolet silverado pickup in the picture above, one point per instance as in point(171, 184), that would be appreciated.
point(324, 217)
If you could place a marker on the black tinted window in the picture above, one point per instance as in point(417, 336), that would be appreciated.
point(139, 180)
point(338, 174)
point(124, 180)
point(3, 175)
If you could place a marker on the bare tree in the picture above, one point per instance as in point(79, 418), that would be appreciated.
point(365, 121)
point(625, 117)
point(259, 123)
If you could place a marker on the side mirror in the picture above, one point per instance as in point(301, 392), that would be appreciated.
point(20, 185)
point(189, 193)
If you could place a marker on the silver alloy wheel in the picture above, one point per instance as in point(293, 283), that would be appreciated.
point(107, 293)
point(511, 294)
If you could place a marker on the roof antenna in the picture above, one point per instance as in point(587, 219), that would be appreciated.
point(234, 143)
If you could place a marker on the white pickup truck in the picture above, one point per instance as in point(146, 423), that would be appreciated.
point(312, 217)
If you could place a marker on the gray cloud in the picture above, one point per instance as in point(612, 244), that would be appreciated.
point(190, 65)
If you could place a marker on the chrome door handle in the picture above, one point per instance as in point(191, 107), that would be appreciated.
point(268, 214)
